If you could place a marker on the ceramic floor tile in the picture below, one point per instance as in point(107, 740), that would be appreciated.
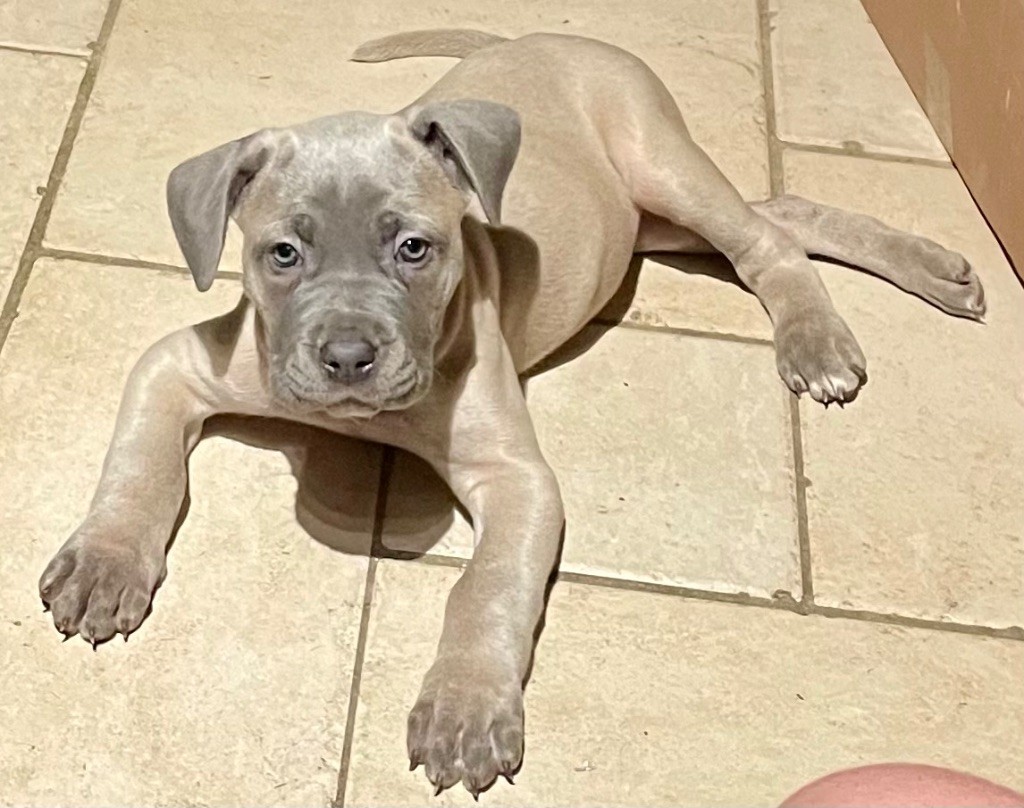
point(915, 502)
point(421, 515)
point(693, 292)
point(640, 699)
point(235, 689)
point(837, 85)
point(37, 93)
point(44, 24)
point(167, 57)
point(674, 459)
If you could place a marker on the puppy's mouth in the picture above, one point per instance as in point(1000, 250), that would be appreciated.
point(303, 392)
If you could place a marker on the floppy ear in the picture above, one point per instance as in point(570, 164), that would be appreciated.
point(476, 141)
point(202, 193)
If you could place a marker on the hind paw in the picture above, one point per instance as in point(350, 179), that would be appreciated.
point(817, 354)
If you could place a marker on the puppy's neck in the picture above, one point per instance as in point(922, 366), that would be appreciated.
point(474, 305)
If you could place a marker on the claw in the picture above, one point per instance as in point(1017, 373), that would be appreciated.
point(508, 777)
point(94, 643)
point(842, 405)
point(439, 789)
point(412, 763)
point(46, 607)
point(67, 637)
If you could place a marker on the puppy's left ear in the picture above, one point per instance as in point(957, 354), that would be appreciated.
point(476, 142)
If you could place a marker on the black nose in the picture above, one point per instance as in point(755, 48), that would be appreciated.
point(348, 357)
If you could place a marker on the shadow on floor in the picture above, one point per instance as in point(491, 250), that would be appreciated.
point(338, 477)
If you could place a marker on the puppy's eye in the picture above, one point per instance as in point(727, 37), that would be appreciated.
point(414, 250)
point(284, 255)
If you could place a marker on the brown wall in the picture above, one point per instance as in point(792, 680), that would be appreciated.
point(964, 59)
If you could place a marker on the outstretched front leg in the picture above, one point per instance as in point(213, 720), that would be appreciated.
point(102, 580)
point(467, 723)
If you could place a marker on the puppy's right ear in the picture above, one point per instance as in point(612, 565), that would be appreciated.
point(202, 194)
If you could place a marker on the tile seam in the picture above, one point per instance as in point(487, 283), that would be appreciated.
point(102, 259)
point(60, 164)
point(803, 530)
point(45, 50)
point(864, 154)
point(777, 180)
point(783, 602)
point(721, 336)
point(380, 507)
point(775, 175)
point(105, 259)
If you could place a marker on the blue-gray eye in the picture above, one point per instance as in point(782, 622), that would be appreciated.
point(414, 250)
point(284, 255)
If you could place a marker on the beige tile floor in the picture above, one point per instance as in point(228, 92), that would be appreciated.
point(755, 591)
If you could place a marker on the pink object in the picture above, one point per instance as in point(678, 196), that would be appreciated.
point(903, 785)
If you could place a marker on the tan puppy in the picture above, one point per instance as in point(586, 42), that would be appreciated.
point(376, 307)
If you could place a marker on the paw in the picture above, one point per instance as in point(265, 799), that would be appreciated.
point(816, 353)
point(957, 290)
point(467, 725)
point(100, 584)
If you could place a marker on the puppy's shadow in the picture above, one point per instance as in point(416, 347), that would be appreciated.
point(712, 265)
point(337, 481)
point(338, 478)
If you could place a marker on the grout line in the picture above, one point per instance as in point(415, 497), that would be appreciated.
point(780, 602)
point(387, 463)
point(387, 467)
point(121, 261)
point(685, 592)
point(864, 154)
point(776, 177)
point(53, 182)
point(357, 680)
point(724, 336)
point(138, 263)
point(784, 602)
point(777, 180)
point(800, 486)
point(99, 258)
point(427, 559)
point(891, 619)
point(46, 50)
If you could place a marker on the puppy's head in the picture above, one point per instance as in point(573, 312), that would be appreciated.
point(352, 241)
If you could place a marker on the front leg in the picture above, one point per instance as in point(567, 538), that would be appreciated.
point(102, 580)
point(468, 721)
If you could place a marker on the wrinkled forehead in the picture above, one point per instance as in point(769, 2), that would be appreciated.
point(355, 167)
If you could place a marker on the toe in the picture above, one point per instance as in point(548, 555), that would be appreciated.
point(98, 624)
point(443, 765)
point(962, 272)
point(68, 607)
point(977, 304)
point(480, 767)
point(133, 606)
point(508, 747)
point(55, 575)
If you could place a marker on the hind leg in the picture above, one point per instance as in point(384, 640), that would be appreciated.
point(915, 264)
point(670, 177)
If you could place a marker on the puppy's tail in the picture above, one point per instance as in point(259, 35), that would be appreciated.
point(457, 42)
